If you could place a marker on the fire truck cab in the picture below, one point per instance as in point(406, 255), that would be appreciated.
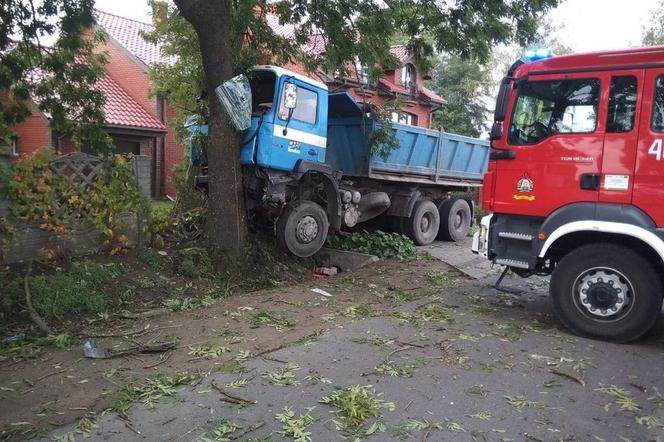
point(575, 185)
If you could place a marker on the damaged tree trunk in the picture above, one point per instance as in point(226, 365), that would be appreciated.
point(226, 221)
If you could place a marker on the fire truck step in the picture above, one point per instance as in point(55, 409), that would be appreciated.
point(515, 235)
point(512, 263)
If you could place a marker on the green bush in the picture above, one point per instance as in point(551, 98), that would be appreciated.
point(379, 243)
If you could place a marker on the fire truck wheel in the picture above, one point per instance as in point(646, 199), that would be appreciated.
point(422, 226)
point(455, 220)
point(302, 228)
point(606, 291)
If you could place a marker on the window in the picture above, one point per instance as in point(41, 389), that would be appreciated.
point(9, 147)
point(622, 104)
point(305, 110)
point(408, 75)
point(404, 118)
point(262, 90)
point(545, 108)
point(362, 71)
point(657, 123)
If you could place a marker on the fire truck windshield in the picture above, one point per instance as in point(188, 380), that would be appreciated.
point(545, 108)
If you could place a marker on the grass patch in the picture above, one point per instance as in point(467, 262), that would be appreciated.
point(268, 318)
point(220, 431)
point(359, 408)
point(149, 392)
point(295, 427)
point(31, 348)
point(84, 287)
point(379, 243)
point(398, 296)
point(181, 304)
point(428, 313)
point(440, 279)
point(193, 262)
point(357, 311)
point(208, 351)
point(22, 430)
point(283, 376)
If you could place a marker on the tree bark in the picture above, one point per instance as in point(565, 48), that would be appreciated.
point(226, 222)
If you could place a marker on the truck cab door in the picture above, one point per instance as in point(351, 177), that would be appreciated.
point(302, 135)
point(552, 146)
point(621, 137)
point(648, 189)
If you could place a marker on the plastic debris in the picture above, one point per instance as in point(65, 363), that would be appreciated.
point(326, 271)
point(321, 292)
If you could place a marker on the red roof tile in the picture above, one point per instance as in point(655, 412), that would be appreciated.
point(128, 33)
point(400, 52)
point(121, 109)
point(431, 95)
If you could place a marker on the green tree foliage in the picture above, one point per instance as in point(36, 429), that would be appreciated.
point(464, 83)
point(57, 79)
point(653, 34)
point(234, 34)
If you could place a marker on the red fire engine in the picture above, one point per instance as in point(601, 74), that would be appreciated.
point(576, 186)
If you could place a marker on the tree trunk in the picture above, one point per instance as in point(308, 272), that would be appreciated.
point(226, 223)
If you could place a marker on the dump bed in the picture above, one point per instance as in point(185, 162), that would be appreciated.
point(423, 155)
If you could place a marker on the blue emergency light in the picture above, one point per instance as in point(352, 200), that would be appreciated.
point(537, 54)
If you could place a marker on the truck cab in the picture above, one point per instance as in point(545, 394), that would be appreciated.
point(278, 138)
point(575, 185)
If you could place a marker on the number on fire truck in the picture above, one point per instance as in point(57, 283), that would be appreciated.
point(656, 149)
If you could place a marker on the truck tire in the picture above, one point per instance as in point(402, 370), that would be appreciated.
point(302, 228)
point(455, 220)
point(422, 226)
point(607, 292)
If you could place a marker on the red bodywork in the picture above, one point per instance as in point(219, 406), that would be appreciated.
point(550, 171)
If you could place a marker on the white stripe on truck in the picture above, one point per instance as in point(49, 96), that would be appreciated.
point(300, 136)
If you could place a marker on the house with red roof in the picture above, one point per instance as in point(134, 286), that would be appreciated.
point(138, 121)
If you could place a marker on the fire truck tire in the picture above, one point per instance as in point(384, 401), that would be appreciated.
point(423, 224)
point(607, 292)
point(455, 220)
point(302, 228)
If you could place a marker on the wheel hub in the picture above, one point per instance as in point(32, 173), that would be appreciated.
point(458, 220)
point(307, 229)
point(424, 224)
point(603, 292)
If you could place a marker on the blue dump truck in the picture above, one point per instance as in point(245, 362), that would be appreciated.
point(311, 168)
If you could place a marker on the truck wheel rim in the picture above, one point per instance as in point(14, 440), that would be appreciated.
point(425, 222)
point(307, 229)
point(458, 220)
point(603, 294)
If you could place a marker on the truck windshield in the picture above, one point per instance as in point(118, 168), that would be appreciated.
point(545, 108)
point(262, 90)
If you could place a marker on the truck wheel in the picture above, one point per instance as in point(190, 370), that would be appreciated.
point(607, 292)
point(422, 226)
point(302, 228)
point(455, 220)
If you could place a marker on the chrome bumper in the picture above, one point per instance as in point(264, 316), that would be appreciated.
point(481, 238)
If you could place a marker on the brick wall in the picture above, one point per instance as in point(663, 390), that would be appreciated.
point(33, 134)
point(173, 151)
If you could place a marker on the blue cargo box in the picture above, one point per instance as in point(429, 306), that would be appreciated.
point(423, 155)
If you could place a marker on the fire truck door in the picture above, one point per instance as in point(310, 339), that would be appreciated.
point(648, 188)
point(625, 94)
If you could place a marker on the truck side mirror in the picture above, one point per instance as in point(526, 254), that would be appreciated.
point(290, 102)
point(496, 131)
point(290, 96)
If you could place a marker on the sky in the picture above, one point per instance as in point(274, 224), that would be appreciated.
point(585, 25)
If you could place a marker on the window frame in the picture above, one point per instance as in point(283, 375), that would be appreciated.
point(12, 150)
point(636, 99)
point(281, 100)
point(518, 95)
point(654, 104)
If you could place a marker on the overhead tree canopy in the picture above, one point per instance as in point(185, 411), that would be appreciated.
point(653, 34)
point(58, 78)
point(465, 84)
point(233, 35)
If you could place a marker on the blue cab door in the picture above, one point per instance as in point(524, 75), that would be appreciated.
point(304, 137)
